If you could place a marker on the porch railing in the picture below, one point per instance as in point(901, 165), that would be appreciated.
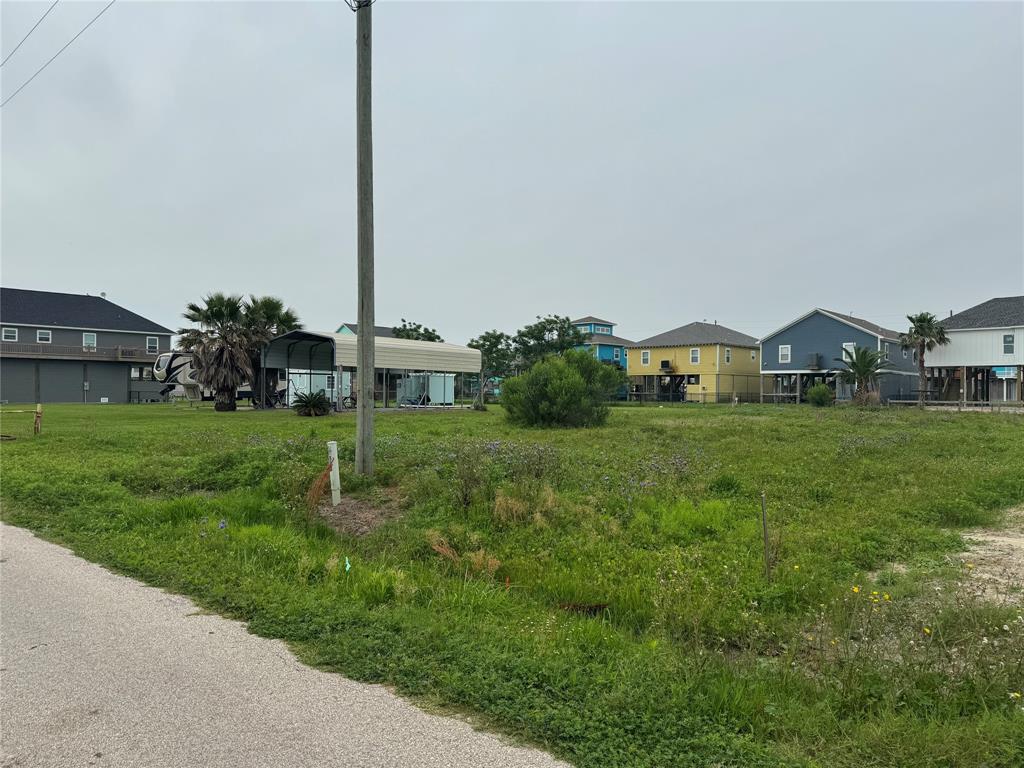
point(75, 352)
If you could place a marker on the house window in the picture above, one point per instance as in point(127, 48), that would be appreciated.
point(44, 337)
point(1008, 344)
point(785, 353)
point(728, 356)
point(848, 349)
point(695, 356)
point(615, 353)
point(10, 334)
point(89, 341)
point(330, 382)
point(152, 345)
point(645, 357)
point(142, 373)
point(602, 329)
point(753, 354)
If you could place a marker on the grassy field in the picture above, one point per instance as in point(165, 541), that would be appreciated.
point(600, 592)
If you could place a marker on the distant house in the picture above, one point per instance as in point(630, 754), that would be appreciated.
point(701, 362)
point(379, 331)
point(984, 360)
point(602, 341)
point(69, 348)
point(809, 349)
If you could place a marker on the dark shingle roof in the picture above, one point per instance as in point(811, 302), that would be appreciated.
point(70, 310)
point(607, 338)
point(380, 331)
point(994, 313)
point(867, 325)
point(698, 333)
point(591, 319)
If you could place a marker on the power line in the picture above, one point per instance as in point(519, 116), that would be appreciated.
point(29, 32)
point(58, 53)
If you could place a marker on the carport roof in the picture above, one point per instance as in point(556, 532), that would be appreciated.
point(326, 351)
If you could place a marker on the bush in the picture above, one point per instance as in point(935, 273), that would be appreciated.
point(312, 404)
point(568, 391)
point(820, 395)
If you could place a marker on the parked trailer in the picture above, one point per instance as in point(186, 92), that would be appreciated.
point(176, 369)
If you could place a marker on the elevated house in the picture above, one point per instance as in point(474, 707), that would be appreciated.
point(809, 349)
point(698, 362)
point(984, 359)
point(379, 331)
point(72, 348)
point(602, 341)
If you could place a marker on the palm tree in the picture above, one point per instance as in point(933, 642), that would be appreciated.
point(863, 366)
point(263, 318)
point(925, 334)
point(219, 346)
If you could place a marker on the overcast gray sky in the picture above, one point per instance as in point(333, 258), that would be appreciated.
point(649, 163)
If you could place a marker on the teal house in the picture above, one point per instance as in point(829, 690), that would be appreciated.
point(602, 341)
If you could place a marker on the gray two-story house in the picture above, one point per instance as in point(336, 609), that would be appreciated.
point(68, 348)
point(809, 349)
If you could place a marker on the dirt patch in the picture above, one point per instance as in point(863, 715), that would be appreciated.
point(995, 561)
point(359, 516)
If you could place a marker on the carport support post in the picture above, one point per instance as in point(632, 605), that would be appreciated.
point(365, 365)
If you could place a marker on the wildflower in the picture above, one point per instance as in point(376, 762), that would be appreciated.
point(1014, 694)
point(796, 567)
point(1006, 627)
point(970, 566)
point(222, 524)
point(927, 630)
point(856, 590)
point(886, 596)
point(874, 592)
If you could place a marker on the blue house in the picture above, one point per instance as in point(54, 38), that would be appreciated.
point(602, 341)
point(807, 352)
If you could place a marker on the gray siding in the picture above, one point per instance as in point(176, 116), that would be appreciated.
point(109, 380)
point(18, 381)
point(63, 381)
point(817, 334)
point(73, 338)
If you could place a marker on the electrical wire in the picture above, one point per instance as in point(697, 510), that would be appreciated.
point(29, 32)
point(58, 53)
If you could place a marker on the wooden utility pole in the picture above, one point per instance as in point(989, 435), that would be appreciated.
point(365, 366)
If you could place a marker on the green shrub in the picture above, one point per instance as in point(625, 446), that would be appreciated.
point(312, 404)
point(820, 395)
point(568, 391)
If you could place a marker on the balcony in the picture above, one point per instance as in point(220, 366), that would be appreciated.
point(63, 352)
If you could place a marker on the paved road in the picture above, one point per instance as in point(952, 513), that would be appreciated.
point(98, 669)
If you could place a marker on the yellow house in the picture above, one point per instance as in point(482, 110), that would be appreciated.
point(699, 362)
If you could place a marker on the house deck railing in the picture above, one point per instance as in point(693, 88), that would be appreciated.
point(73, 352)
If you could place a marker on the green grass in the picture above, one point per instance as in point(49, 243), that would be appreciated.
point(597, 592)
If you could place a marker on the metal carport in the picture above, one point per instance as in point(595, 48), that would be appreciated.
point(334, 353)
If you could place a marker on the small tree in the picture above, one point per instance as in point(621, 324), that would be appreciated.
point(863, 367)
point(568, 391)
point(925, 334)
point(416, 332)
point(550, 335)
point(263, 318)
point(820, 395)
point(219, 347)
point(232, 329)
point(497, 357)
